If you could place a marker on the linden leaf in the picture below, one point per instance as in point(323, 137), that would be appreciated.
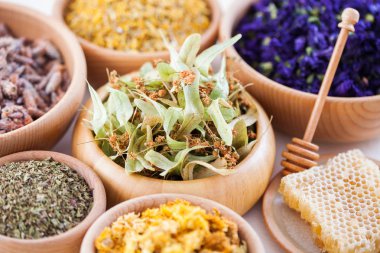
point(165, 71)
point(99, 113)
point(118, 103)
point(224, 130)
point(203, 61)
point(190, 48)
point(221, 88)
point(241, 137)
point(194, 109)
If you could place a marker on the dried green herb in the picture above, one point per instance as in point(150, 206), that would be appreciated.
point(41, 198)
point(176, 120)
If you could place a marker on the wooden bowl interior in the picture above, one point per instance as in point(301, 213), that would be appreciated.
point(140, 204)
point(46, 131)
point(70, 240)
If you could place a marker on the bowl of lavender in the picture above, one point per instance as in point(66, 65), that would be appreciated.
point(42, 79)
point(284, 52)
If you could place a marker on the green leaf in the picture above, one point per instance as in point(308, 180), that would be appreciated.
point(171, 118)
point(145, 107)
point(190, 48)
point(194, 109)
point(99, 113)
point(175, 60)
point(203, 61)
point(180, 159)
point(133, 166)
point(221, 89)
point(145, 69)
point(188, 171)
point(244, 151)
point(249, 118)
point(165, 71)
point(118, 103)
point(159, 160)
point(221, 125)
point(241, 137)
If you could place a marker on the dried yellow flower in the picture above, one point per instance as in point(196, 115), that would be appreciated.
point(177, 226)
point(134, 25)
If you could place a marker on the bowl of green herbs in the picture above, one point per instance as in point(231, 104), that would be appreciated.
point(178, 127)
point(48, 200)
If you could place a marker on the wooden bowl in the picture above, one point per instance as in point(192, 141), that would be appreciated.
point(238, 191)
point(69, 241)
point(47, 130)
point(140, 204)
point(100, 58)
point(343, 119)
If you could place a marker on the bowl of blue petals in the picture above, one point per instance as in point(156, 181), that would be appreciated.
point(284, 53)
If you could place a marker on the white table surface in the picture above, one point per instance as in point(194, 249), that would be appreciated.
point(254, 216)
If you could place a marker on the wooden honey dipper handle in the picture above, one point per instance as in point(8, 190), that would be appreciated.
point(302, 154)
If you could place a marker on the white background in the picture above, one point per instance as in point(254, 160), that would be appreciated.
point(254, 216)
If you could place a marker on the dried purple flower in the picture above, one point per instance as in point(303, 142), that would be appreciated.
point(292, 41)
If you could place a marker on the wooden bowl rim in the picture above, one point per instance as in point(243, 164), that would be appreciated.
point(262, 130)
point(92, 179)
point(225, 30)
point(104, 220)
point(79, 64)
point(59, 9)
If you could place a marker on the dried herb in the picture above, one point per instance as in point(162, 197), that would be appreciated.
point(177, 226)
point(292, 41)
point(134, 25)
point(32, 79)
point(176, 120)
point(41, 198)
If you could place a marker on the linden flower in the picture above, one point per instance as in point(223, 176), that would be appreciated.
point(176, 120)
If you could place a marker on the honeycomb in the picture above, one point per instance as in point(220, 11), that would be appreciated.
point(341, 201)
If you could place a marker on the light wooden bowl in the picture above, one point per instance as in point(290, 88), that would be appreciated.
point(100, 58)
point(69, 241)
point(238, 191)
point(47, 130)
point(343, 119)
point(140, 204)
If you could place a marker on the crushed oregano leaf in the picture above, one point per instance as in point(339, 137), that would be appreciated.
point(41, 198)
point(135, 25)
point(292, 41)
point(177, 226)
point(176, 120)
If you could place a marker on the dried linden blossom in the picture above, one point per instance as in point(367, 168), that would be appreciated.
point(177, 226)
point(176, 120)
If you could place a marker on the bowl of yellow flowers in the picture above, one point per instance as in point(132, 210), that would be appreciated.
point(123, 35)
point(171, 223)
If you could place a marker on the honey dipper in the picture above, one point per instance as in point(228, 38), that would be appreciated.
point(302, 154)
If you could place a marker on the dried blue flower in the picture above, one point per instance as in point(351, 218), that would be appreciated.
point(292, 41)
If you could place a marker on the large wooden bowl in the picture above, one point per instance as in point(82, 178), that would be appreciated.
point(343, 119)
point(47, 130)
point(140, 204)
point(69, 241)
point(238, 191)
point(100, 58)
